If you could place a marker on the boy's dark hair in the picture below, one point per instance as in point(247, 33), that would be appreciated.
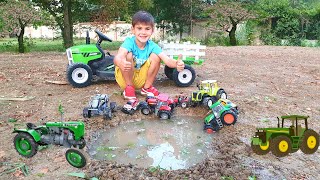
point(142, 17)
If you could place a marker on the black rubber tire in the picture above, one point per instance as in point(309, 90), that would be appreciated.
point(145, 111)
point(257, 149)
point(304, 143)
point(86, 113)
point(107, 114)
point(83, 143)
point(184, 105)
point(211, 101)
point(183, 79)
point(113, 106)
point(83, 161)
point(164, 115)
point(31, 141)
point(74, 82)
point(229, 113)
point(168, 72)
point(275, 146)
point(220, 93)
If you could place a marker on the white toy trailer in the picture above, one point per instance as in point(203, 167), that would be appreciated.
point(192, 54)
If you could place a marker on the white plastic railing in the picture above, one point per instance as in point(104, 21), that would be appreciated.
point(186, 49)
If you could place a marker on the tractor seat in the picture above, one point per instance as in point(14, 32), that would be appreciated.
point(31, 126)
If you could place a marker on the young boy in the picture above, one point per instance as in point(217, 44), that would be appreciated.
point(138, 59)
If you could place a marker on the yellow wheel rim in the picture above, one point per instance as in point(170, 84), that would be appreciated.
point(265, 147)
point(311, 142)
point(283, 146)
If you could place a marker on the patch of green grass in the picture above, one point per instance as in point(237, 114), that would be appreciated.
point(227, 178)
point(131, 145)
point(47, 45)
point(40, 174)
point(106, 148)
point(252, 178)
point(110, 156)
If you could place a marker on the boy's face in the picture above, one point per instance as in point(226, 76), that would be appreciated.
point(142, 32)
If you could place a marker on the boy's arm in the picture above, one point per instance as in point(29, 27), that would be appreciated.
point(120, 60)
point(179, 64)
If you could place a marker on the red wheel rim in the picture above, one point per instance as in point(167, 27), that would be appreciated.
point(228, 118)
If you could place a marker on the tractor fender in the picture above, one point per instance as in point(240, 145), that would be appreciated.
point(36, 136)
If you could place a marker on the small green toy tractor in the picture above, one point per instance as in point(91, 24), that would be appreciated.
point(284, 140)
point(86, 61)
point(209, 92)
point(67, 134)
point(224, 113)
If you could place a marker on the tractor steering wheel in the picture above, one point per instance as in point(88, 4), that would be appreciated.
point(102, 36)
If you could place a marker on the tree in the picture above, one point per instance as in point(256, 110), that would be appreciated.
point(16, 15)
point(225, 15)
point(175, 15)
point(61, 10)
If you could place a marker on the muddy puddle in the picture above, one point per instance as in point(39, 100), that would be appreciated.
point(169, 144)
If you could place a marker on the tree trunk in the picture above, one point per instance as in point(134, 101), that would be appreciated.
point(67, 30)
point(20, 37)
point(232, 36)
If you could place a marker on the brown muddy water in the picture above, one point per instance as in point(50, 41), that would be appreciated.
point(169, 144)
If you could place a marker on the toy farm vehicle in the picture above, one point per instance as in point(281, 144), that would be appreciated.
point(286, 139)
point(224, 112)
point(67, 134)
point(209, 92)
point(192, 54)
point(86, 61)
point(161, 105)
point(98, 105)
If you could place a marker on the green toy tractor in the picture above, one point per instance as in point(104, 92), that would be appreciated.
point(86, 61)
point(224, 113)
point(209, 92)
point(284, 140)
point(67, 134)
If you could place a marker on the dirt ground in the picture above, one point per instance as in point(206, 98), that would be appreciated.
point(264, 81)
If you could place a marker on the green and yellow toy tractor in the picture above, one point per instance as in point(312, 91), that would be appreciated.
point(284, 140)
point(209, 92)
point(67, 134)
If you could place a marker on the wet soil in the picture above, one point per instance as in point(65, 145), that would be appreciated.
point(264, 81)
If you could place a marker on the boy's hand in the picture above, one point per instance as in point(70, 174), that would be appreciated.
point(125, 65)
point(180, 64)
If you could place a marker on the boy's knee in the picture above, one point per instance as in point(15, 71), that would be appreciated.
point(154, 58)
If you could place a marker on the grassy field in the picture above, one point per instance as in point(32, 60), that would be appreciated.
point(46, 45)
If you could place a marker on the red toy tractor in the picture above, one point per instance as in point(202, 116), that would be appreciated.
point(162, 106)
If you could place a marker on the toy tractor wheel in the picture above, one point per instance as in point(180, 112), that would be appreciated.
point(164, 115)
point(107, 115)
point(113, 106)
point(211, 127)
point(145, 110)
point(184, 105)
point(310, 142)
point(86, 113)
point(25, 145)
point(82, 144)
point(79, 75)
point(260, 149)
point(228, 118)
point(281, 146)
point(76, 158)
point(184, 78)
point(221, 94)
point(168, 72)
point(211, 101)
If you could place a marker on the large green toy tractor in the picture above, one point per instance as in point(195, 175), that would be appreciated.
point(68, 134)
point(86, 61)
point(284, 140)
point(209, 92)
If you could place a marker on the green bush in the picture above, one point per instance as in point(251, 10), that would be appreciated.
point(45, 45)
point(218, 39)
